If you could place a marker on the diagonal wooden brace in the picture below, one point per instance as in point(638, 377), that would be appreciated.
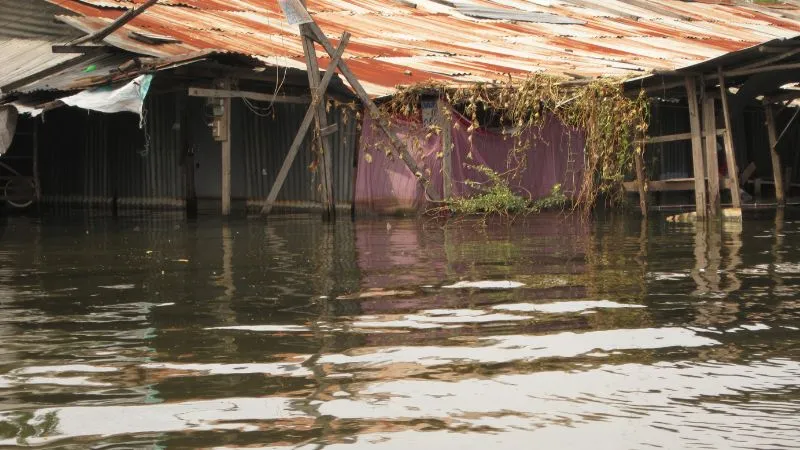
point(375, 113)
point(318, 95)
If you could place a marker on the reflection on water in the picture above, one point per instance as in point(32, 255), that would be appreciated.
point(291, 333)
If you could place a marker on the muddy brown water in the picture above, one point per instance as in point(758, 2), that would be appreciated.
point(394, 334)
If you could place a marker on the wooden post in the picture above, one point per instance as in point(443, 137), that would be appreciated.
point(640, 179)
point(730, 155)
point(712, 166)
point(446, 125)
point(225, 155)
point(316, 100)
point(325, 147)
point(777, 170)
point(36, 186)
point(375, 113)
point(697, 148)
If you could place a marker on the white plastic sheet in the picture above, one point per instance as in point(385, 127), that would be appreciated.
point(127, 98)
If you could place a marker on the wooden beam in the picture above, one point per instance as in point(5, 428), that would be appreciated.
point(227, 93)
point(376, 114)
point(747, 173)
point(697, 147)
point(777, 170)
point(115, 25)
point(730, 154)
point(679, 137)
point(753, 71)
point(770, 60)
point(673, 185)
point(446, 126)
point(225, 154)
point(68, 48)
point(710, 145)
point(641, 181)
point(329, 130)
point(321, 120)
point(316, 100)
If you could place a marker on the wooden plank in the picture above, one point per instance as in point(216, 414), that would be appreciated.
point(446, 125)
point(259, 96)
point(330, 129)
point(673, 185)
point(226, 152)
point(730, 154)
point(641, 185)
point(375, 114)
point(710, 145)
point(697, 147)
point(777, 170)
point(316, 99)
point(678, 137)
point(325, 144)
point(36, 182)
point(118, 23)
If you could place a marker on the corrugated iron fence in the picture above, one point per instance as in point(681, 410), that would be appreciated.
point(89, 159)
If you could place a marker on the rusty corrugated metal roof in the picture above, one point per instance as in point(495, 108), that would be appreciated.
point(402, 42)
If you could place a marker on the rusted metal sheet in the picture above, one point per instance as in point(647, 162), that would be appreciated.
point(399, 43)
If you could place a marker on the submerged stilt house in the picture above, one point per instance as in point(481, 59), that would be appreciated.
point(195, 105)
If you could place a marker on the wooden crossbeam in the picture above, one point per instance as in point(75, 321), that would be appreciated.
point(316, 100)
point(259, 96)
point(376, 114)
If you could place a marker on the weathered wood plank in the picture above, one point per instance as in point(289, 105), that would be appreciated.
point(376, 114)
point(730, 154)
point(697, 147)
point(710, 145)
point(777, 170)
point(316, 100)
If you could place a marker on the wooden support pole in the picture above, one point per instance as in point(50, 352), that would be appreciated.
point(777, 170)
point(226, 153)
point(115, 25)
point(375, 114)
point(712, 166)
point(36, 185)
point(321, 119)
point(697, 147)
point(730, 154)
point(641, 181)
point(316, 100)
point(446, 125)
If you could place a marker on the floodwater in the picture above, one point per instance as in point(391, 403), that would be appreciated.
point(394, 334)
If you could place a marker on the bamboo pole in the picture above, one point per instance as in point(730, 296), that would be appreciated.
point(777, 171)
point(712, 166)
point(697, 148)
point(316, 100)
point(375, 113)
point(321, 119)
point(730, 154)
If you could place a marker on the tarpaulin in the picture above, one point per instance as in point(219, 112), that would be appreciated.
point(127, 98)
point(538, 158)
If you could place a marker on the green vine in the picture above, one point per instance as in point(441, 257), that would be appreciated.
point(613, 125)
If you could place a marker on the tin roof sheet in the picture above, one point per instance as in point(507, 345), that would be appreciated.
point(401, 42)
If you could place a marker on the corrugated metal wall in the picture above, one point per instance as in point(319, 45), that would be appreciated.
point(89, 158)
point(33, 19)
point(261, 140)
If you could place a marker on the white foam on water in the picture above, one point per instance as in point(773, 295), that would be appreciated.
point(277, 369)
point(203, 415)
point(500, 349)
point(486, 284)
point(265, 328)
point(68, 368)
point(564, 307)
point(119, 286)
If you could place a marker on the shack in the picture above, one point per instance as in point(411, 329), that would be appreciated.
point(229, 86)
